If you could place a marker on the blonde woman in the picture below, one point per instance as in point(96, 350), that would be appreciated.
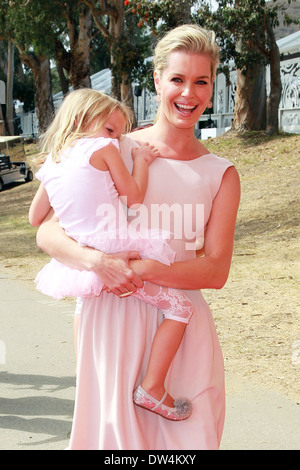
point(115, 334)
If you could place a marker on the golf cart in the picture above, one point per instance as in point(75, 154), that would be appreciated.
point(18, 169)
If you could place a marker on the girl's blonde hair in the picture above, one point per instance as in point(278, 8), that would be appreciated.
point(189, 38)
point(80, 108)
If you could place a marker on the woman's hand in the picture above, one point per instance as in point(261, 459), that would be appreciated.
point(116, 273)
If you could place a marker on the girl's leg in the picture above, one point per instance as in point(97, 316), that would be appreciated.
point(177, 310)
point(164, 347)
point(173, 302)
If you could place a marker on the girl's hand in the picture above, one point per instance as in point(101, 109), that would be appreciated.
point(146, 152)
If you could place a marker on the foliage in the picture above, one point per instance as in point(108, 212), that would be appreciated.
point(99, 55)
point(30, 25)
point(159, 15)
point(151, 19)
point(240, 26)
point(131, 51)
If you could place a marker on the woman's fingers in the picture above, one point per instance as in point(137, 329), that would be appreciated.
point(116, 274)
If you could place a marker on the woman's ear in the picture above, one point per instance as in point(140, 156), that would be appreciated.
point(156, 82)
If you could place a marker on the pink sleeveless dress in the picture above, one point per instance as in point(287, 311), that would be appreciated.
point(115, 335)
point(88, 207)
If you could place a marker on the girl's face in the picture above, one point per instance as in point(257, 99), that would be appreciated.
point(185, 88)
point(114, 126)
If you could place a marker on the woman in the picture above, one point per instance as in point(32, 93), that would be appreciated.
point(115, 334)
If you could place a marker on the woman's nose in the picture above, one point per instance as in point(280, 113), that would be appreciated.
point(187, 90)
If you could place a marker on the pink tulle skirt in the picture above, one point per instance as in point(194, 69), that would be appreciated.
point(58, 280)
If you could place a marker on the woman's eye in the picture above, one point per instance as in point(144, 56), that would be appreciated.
point(109, 130)
point(176, 79)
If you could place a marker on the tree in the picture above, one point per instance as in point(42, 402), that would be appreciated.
point(162, 14)
point(126, 51)
point(73, 43)
point(41, 31)
point(109, 19)
point(153, 18)
point(22, 25)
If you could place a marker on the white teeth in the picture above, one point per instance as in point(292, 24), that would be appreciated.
point(185, 106)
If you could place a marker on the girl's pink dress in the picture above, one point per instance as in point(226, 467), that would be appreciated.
point(87, 205)
point(115, 335)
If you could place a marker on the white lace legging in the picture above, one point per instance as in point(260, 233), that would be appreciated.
point(174, 304)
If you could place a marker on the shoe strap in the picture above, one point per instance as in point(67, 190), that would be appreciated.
point(160, 402)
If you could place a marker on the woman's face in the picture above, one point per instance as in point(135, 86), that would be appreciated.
point(185, 88)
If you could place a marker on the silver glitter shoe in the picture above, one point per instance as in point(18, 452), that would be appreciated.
point(182, 407)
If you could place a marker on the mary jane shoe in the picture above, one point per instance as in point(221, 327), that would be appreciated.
point(182, 407)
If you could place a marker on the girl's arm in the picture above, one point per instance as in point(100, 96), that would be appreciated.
point(112, 269)
point(212, 269)
point(40, 207)
point(131, 188)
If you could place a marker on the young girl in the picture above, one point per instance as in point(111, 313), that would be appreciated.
point(83, 179)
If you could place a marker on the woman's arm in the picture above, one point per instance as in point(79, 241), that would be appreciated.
point(112, 269)
point(212, 269)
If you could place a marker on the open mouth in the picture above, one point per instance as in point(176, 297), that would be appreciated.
point(185, 109)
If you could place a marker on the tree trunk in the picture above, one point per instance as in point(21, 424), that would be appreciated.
point(274, 97)
point(76, 61)
point(79, 73)
point(40, 66)
point(9, 89)
point(64, 82)
point(121, 88)
point(250, 99)
point(115, 30)
point(127, 96)
point(2, 123)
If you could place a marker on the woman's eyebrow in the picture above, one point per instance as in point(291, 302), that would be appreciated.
point(182, 75)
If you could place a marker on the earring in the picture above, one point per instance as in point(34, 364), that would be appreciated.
point(210, 105)
point(157, 98)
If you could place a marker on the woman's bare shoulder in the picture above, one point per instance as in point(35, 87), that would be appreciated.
point(142, 135)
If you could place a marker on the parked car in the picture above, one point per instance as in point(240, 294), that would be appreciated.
point(11, 171)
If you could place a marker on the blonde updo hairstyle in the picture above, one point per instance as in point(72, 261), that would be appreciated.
point(189, 38)
point(79, 109)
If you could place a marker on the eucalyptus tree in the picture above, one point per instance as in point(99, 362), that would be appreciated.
point(122, 36)
point(60, 30)
point(27, 28)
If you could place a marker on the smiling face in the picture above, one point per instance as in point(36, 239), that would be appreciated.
point(185, 88)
